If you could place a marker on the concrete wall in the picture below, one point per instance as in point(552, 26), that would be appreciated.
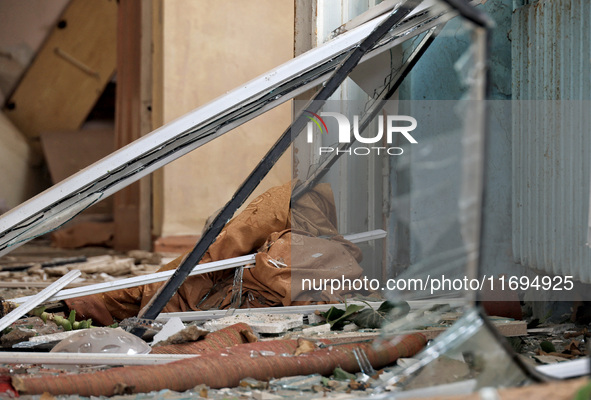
point(209, 48)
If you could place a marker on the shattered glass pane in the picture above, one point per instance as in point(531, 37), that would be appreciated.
point(467, 357)
point(52, 219)
point(414, 169)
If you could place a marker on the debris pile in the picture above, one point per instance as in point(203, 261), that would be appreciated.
point(244, 331)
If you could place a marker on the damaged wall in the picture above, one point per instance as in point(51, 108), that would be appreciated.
point(210, 48)
point(19, 179)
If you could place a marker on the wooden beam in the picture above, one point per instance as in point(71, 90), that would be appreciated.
point(157, 110)
point(132, 206)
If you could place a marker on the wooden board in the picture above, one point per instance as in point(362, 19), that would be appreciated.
point(176, 244)
point(70, 71)
point(505, 328)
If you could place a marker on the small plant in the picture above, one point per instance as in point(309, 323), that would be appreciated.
point(67, 324)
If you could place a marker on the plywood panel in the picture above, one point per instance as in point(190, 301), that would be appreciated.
point(210, 48)
point(70, 71)
point(68, 152)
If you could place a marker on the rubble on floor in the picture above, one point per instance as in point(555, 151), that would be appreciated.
point(256, 365)
point(313, 353)
point(32, 267)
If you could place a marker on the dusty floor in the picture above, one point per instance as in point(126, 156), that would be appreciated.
point(30, 268)
point(33, 266)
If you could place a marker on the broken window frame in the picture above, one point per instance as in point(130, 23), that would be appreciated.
point(62, 202)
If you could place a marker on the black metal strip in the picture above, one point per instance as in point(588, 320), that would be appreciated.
point(375, 109)
point(471, 13)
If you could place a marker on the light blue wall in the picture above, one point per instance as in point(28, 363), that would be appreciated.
point(434, 78)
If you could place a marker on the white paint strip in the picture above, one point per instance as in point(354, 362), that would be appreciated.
point(164, 275)
point(215, 314)
point(566, 369)
point(366, 236)
point(34, 301)
point(90, 358)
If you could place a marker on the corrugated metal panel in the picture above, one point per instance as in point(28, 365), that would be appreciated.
point(551, 51)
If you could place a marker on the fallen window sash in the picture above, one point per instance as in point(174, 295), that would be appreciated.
point(164, 275)
point(52, 208)
point(15, 357)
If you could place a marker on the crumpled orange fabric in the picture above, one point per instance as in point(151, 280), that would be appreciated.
point(265, 227)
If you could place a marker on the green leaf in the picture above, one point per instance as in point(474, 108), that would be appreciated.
point(64, 323)
point(342, 375)
point(386, 312)
point(547, 346)
point(337, 317)
point(38, 311)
